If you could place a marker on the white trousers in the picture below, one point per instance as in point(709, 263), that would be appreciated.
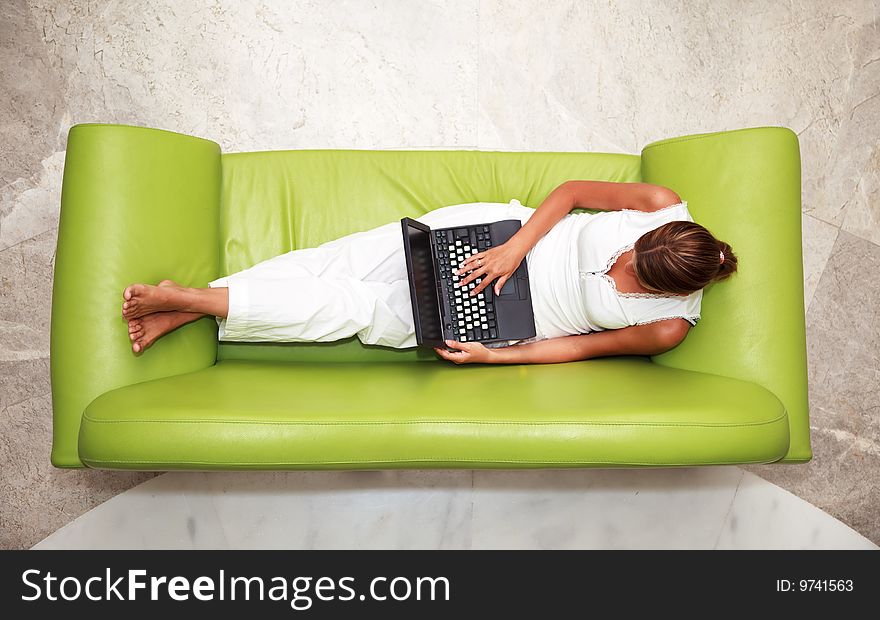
point(356, 284)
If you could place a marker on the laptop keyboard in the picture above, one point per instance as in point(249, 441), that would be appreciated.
point(473, 317)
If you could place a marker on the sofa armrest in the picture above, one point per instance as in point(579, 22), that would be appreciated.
point(745, 187)
point(137, 205)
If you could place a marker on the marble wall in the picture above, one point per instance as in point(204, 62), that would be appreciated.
point(530, 75)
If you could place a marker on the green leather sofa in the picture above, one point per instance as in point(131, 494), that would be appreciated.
point(140, 205)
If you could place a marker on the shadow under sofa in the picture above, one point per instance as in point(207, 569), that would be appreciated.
point(142, 204)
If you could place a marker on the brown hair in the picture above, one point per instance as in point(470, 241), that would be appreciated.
point(680, 258)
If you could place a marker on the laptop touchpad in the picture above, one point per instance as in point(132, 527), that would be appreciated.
point(509, 287)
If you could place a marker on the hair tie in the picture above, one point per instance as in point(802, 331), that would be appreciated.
point(722, 256)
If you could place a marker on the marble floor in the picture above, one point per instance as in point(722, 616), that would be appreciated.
point(672, 508)
point(566, 75)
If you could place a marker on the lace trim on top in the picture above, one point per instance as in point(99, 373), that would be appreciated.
point(692, 319)
point(678, 204)
point(615, 256)
point(639, 295)
point(610, 280)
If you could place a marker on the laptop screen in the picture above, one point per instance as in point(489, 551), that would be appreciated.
point(425, 282)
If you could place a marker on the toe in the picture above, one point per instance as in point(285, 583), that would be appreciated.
point(140, 344)
point(132, 292)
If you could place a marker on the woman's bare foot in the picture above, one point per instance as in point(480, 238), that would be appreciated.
point(144, 330)
point(143, 299)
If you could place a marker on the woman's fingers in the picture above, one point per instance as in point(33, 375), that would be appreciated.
point(460, 356)
point(483, 284)
point(470, 262)
point(461, 346)
point(477, 273)
point(487, 278)
point(479, 267)
point(500, 284)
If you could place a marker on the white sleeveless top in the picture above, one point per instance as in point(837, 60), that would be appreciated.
point(571, 290)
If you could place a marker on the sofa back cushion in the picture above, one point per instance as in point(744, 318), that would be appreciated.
point(276, 201)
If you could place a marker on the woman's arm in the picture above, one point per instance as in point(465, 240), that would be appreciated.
point(612, 196)
point(596, 195)
point(498, 264)
point(649, 339)
point(556, 205)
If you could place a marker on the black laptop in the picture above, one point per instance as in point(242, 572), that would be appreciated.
point(443, 311)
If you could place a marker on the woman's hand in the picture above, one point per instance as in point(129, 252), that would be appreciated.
point(468, 353)
point(498, 262)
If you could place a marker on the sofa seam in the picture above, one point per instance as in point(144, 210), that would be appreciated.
point(419, 460)
point(399, 422)
point(672, 141)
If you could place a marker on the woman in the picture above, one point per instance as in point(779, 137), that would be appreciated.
point(626, 281)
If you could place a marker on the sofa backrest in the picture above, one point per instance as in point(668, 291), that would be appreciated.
point(276, 201)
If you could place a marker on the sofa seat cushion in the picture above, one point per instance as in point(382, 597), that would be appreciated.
point(605, 412)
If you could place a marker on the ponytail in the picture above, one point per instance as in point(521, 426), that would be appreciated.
point(728, 266)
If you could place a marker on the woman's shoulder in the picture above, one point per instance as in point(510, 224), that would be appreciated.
point(671, 213)
point(642, 221)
